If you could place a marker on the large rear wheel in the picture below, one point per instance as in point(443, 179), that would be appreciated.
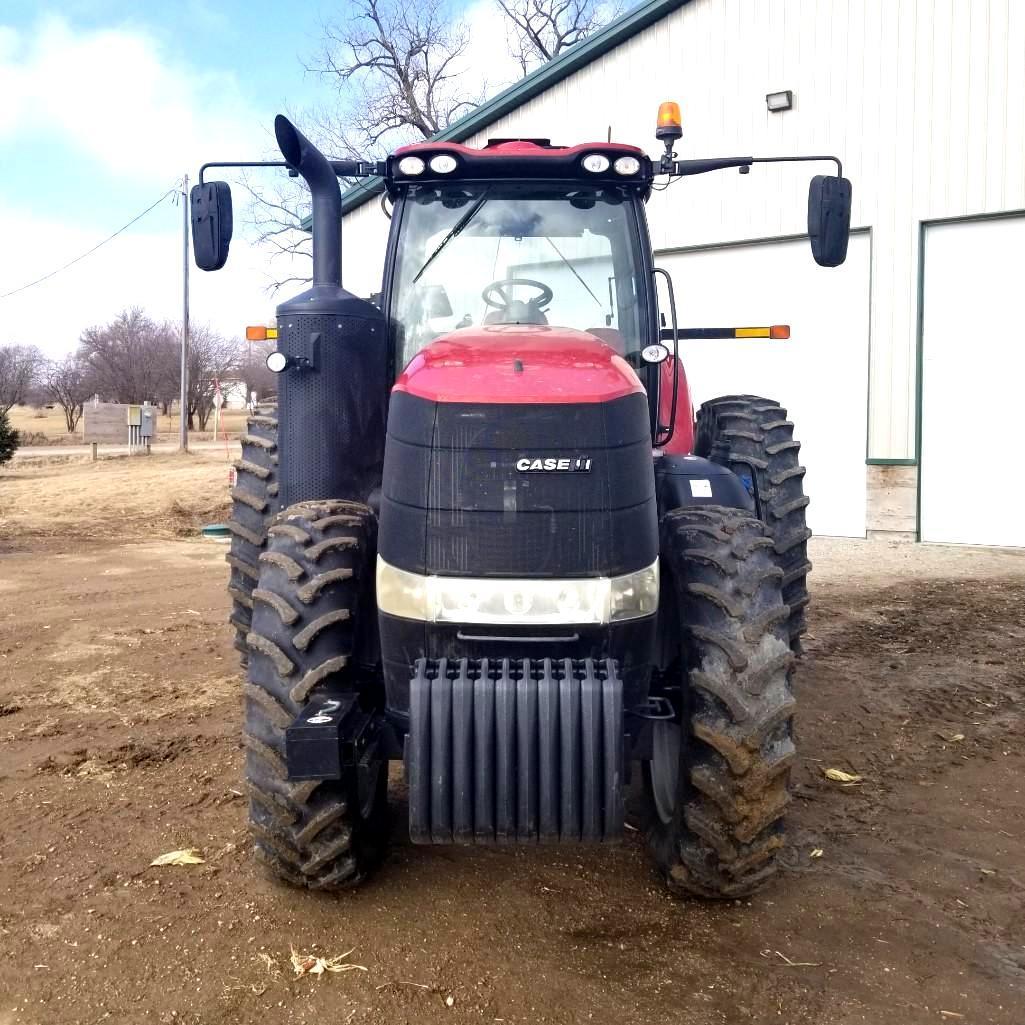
point(753, 437)
point(717, 783)
point(315, 578)
point(254, 502)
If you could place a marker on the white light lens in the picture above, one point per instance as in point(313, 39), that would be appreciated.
point(595, 163)
point(635, 594)
point(654, 353)
point(276, 362)
point(627, 165)
point(443, 164)
point(411, 165)
point(593, 601)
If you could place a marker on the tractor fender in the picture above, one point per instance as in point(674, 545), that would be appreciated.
point(682, 481)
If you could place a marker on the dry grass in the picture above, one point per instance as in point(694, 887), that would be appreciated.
point(119, 499)
point(47, 426)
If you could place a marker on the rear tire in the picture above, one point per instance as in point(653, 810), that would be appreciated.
point(753, 438)
point(717, 785)
point(314, 577)
point(254, 502)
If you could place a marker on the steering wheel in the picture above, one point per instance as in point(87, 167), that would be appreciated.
point(498, 289)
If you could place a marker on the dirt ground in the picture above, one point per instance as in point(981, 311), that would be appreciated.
point(119, 740)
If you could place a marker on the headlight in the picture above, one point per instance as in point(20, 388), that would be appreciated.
point(591, 601)
point(443, 164)
point(595, 163)
point(411, 165)
point(627, 165)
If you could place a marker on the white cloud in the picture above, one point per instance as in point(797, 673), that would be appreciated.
point(114, 95)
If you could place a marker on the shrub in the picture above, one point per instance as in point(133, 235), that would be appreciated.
point(9, 440)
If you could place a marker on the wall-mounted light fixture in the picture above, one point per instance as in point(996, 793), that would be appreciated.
point(778, 102)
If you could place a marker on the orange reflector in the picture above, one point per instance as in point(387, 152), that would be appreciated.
point(776, 331)
point(669, 115)
point(259, 333)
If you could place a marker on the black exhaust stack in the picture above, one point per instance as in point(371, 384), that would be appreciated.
point(332, 398)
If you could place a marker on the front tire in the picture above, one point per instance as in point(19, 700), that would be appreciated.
point(753, 437)
point(717, 785)
point(254, 503)
point(326, 834)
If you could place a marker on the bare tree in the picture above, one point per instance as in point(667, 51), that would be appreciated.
point(19, 370)
point(130, 358)
point(69, 383)
point(542, 29)
point(212, 358)
point(397, 67)
point(399, 73)
point(255, 373)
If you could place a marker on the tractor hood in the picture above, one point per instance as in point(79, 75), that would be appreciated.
point(518, 363)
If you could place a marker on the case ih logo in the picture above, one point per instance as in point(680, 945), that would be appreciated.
point(578, 464)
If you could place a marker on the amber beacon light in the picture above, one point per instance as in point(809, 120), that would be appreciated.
point(670, 123)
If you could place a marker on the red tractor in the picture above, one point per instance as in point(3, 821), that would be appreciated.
point(482, 533)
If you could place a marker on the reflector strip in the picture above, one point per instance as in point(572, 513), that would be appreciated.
point(779, 331)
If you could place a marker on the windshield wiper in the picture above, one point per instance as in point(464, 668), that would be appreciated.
point(456, 229)
point(575, 274)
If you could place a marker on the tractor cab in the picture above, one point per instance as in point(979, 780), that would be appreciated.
point(519, 233)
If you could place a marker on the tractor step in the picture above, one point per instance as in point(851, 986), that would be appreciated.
point(515, 751)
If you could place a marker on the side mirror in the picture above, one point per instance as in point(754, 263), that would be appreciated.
point(210, 208)
point(829, 219)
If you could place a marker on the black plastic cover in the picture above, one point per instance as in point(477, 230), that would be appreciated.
point(691, 480)
point(212, 220)
point(829, 219)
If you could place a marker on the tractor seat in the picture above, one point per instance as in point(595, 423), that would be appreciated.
point(611, 336)
point(517, 312)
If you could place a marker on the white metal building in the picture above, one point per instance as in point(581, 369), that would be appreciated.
point(905, 360)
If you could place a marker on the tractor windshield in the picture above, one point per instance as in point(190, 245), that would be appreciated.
point(517, 253)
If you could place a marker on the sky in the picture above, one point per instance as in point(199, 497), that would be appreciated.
point(104, 105)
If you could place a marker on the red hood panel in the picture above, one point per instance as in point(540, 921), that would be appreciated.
point(518, 363)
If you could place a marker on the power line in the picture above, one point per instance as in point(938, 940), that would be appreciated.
point(171, 191)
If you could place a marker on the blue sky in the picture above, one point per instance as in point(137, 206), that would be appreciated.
point(255, 48)
point(103, 105)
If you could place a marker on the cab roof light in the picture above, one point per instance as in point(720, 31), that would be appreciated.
point(411, 166)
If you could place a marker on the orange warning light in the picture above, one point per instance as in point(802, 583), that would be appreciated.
point(259, 333)
point(670, 123)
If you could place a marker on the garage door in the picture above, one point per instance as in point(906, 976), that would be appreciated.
point(820, 375)
point(973, 366)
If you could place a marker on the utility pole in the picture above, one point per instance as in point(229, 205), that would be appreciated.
point(183, 406)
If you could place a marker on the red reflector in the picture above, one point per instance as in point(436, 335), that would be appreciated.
point(779, 331)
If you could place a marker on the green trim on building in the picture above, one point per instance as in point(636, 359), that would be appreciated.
point(891, 462)
point(627, 25)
